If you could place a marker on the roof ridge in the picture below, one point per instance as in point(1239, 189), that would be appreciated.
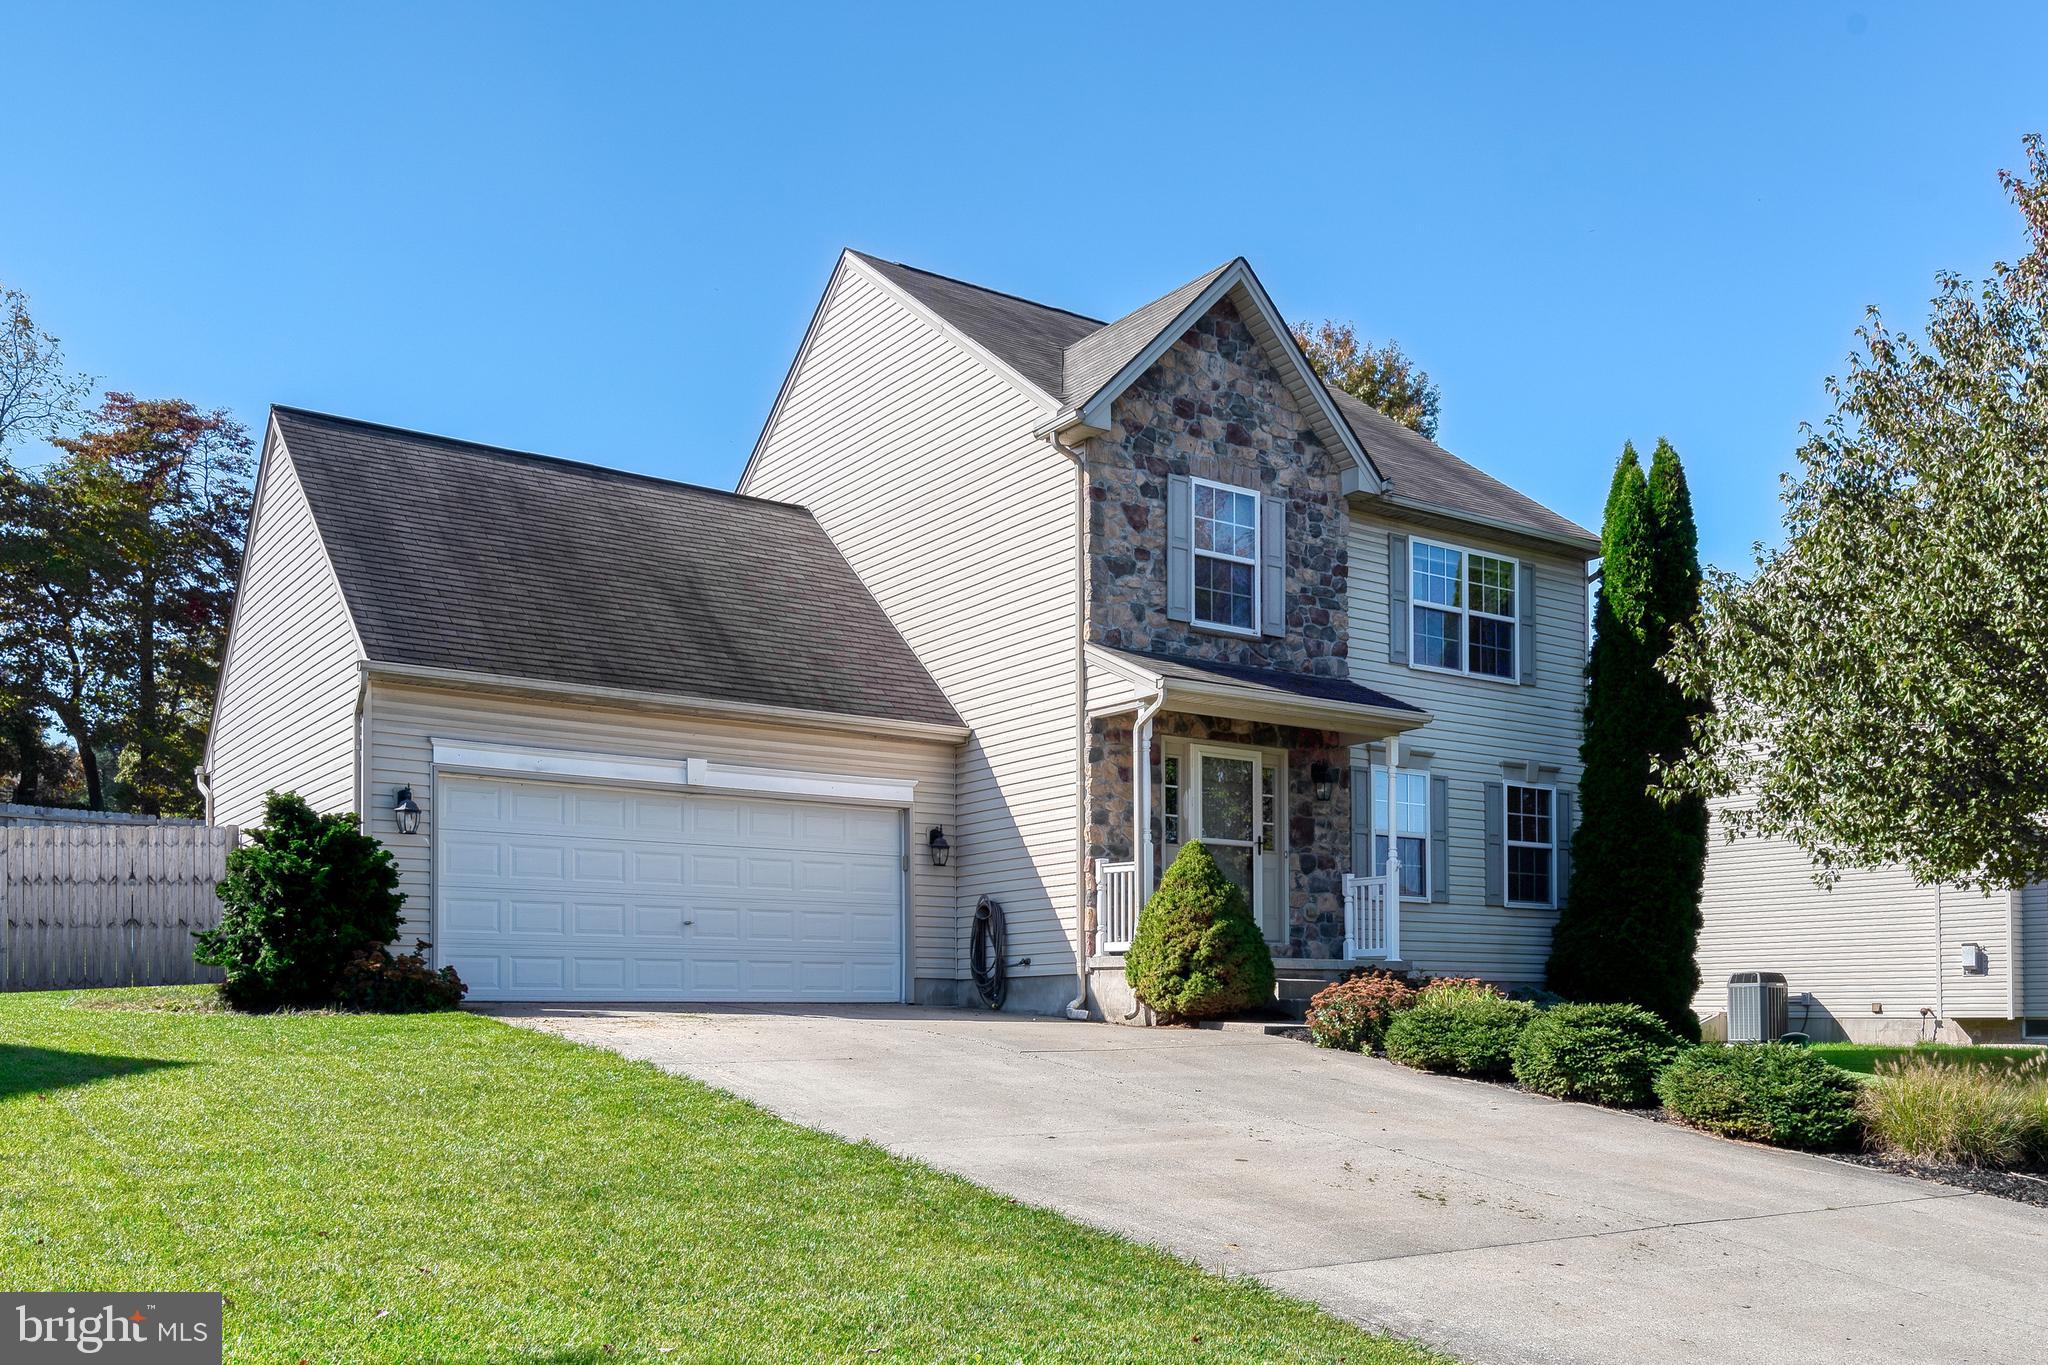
point(1204, 278)
point(413, 433)
point(970, 284)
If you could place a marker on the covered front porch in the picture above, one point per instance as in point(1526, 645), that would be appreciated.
point(1258, 764)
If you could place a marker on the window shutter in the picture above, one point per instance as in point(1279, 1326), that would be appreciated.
point(1397, 599)
point(1525, 634)
point(1272, 566)
point(1563, 856)
point(1440, 839)
point(1180, 548)
point(1361, 822)
point(1496, 843)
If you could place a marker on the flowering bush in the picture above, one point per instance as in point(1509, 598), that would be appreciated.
point(1354, 1014)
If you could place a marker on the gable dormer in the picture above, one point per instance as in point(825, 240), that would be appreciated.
point(1216, 502)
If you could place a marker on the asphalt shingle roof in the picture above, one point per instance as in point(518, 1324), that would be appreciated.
point(1030, 338)
point(1070, 357)
point(1425, 472)
point(1268, 679)
point(470, 557)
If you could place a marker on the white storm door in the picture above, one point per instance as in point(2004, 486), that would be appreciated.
point(1225, 808)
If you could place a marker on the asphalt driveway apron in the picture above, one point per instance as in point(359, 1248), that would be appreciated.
point(1500, 1226)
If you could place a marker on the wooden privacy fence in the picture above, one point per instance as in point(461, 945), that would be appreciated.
point(107, 904)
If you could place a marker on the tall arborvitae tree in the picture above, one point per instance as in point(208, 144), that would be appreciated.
point(1675, 603)
point(1631, 916)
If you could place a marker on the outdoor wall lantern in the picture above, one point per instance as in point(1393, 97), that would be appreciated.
point(941, 850)
point(406, 812)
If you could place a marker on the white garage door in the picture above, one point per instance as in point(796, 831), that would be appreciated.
point(552, 891)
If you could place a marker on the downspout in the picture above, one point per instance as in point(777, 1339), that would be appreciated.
point(1940, 976)
point(1077, 1008)
point(1141, 762)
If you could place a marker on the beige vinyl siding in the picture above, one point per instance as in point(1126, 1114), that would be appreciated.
point(1477, 725)
point(286, 714)
point(2033, 951)
point(406, 719)
point(918, 460)
point(1869, 939)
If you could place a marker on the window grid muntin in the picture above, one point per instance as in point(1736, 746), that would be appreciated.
point(1408, 806)
point(1226, 556)
point(1530, 856)
point(1462, 611)
point(1169, 796)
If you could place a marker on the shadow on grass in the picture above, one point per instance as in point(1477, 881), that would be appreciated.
point(32, 1070)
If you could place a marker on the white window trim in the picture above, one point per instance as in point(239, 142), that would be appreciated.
point(1465, 612)
point(1195, 553)
point(1382, 786)
point(2034, 1030)
point(1506, 844)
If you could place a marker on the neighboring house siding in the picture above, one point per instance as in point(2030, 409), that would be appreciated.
point(918, 460)
point(1478, 726)
point(286, 714)
point(2033, 951)
point(1868, 940)
point(405, 720)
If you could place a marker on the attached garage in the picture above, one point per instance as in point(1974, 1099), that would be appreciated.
point(564, 891)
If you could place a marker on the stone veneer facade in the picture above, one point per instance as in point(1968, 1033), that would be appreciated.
point(1215, 408)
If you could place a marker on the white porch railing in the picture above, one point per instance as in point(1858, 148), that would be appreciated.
point(1372, 918)
point(1116, 905)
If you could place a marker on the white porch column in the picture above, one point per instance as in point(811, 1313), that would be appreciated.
point(1393, 874)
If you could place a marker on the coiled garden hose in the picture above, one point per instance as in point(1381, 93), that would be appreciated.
point(986, 955)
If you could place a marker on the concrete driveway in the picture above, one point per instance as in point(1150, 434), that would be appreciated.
point(1498, 1226)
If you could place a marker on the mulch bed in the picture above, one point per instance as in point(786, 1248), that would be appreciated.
point(2024, 1187)
point(2021, 1186)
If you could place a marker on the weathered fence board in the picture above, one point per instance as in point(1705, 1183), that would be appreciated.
point(107, 904)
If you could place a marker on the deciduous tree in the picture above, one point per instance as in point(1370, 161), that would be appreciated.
point(1880, 682)
point(1378, 375)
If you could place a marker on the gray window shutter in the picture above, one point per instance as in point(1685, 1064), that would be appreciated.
point(1397, 599)
point(1564, 823)
point(1272, 566)
point(1361, 822)
point(1525, 634)
point(1440, 839)
point(1180, 548)
point(1496, 843)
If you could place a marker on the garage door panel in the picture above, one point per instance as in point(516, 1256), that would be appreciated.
point(555, 891)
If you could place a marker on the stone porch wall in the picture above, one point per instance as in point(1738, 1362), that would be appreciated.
point(1318, 835)
point(1214, 408)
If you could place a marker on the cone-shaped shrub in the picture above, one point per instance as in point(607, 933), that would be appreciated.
point(1198, 954)
point(307, 893)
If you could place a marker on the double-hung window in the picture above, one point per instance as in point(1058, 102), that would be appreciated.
point(1463, 607)
point(1531, 845)
point(1226, 526)
point(1400, 818)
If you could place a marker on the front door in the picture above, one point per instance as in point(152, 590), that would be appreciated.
point(1231, 805)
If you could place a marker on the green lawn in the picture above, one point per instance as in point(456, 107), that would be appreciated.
point(1863, 1059)
point(448, 1188)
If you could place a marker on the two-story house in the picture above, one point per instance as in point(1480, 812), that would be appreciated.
point(1013, 602)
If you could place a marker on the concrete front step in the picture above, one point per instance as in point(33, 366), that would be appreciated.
point(1267, 1026)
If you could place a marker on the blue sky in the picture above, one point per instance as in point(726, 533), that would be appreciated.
point(599, 230)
